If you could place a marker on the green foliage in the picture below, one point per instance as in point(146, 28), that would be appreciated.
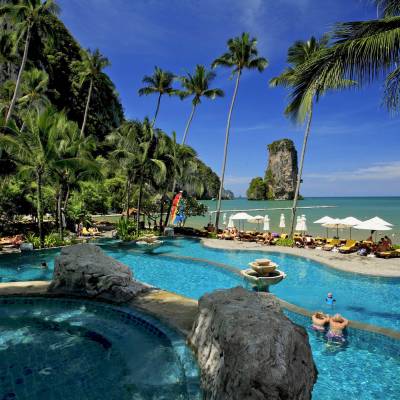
point(126, 229)
point(285, 242)
point(53, 240)
point(257, 189)
point(194, 208)
point(34, 239)
point(281, 145)
point(94, 197)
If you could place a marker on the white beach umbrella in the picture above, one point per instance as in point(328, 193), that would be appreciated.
point(351, 221)
point(266, 223)
point(282, 224)
point(231, 224)
point(256, 220)
point(241, 216)
point(224, 219)
point(324, 220)
point(380, 221)
point(336, 223)
point(371, 225)
point(304, 222)
point(298, 224)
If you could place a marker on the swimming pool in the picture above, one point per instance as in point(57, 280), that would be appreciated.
point(366, 299)
point(367, 367)
point(72, 350)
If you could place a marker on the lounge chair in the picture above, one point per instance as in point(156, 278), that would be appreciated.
point(85, 232)
point(330, 244)
point(388, 254)
point(94, 231)
point(349, 247)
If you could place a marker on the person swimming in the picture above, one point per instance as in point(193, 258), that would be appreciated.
point(330, 300)
point(44, 265)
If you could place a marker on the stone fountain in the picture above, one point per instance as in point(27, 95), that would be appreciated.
point(262, 274)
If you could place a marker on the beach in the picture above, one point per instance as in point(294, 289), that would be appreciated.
point(362, 208)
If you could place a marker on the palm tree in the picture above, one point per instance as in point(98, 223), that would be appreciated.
point(90, 68)
point(299, 53)
point(197, 85)
point(34, 88)
point(160, 82)
point(150, 167)
point(26, 16)
point(72, 163)
point(33, 151)
point(242, 54)
point(124, 155)
point(363, 51)
point(7, 53)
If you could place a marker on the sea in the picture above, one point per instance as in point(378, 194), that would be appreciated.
point(363, 208)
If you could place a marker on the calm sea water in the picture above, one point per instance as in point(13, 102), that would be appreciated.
point(362, 208)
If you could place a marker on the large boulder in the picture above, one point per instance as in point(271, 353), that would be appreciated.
point(85, 270)
point(248, 349)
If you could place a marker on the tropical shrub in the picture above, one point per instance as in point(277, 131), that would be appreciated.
point(34, 239)
point(126, 229)
point(285, 242)
point(53, 240)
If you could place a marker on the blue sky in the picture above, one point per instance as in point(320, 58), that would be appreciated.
point(354, 147)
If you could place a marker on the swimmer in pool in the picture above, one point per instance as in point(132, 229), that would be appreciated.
point(43, 265)
point(330, 300)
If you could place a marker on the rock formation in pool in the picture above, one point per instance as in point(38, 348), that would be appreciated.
point(85, 270)
point(248, 349)
point(280, 178)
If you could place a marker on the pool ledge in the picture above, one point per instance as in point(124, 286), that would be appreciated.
point(352, 263)
point(177, 311)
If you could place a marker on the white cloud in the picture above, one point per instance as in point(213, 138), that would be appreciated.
point(383, 171)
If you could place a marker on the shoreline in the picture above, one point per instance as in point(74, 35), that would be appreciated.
point(351, 263)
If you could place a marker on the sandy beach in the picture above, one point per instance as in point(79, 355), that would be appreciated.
point(345, 262)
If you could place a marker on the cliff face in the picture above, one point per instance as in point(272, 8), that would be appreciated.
point(281, 174)
point(280, 178)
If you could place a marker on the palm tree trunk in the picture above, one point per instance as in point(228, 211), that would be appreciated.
point(39, 207)
point(188, 124)
point(87, 107)
point(157, 109)
point(66, 199)
point(128, 198)
point(19, 77)
point(139, 203)
point(59, 213)
point(161, 213)
point(299, 175)
point(228, 125)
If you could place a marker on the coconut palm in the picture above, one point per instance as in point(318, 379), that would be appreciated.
point(33, 151)
point(7, 53)
point(299, 53)
point(90, 69)
point(197, 85)
point(242, 54)
point(26, 16)
point(34, 88)
point(124, 155)
point(161, 83)
point(72, 162)
point(363, 51)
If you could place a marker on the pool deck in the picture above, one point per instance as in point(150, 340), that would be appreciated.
point(354, 263)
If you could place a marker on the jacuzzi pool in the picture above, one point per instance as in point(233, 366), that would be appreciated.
point(70, 350)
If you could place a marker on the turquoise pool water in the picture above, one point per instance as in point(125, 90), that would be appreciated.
point(62, 349)
point(367, 299)
point(366, 367)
